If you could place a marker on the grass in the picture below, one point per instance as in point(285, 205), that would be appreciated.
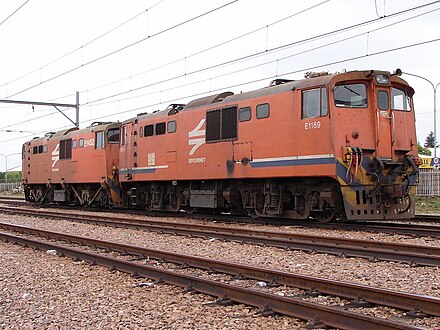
point(428, 204)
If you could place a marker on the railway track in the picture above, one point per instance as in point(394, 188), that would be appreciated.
point(373, 250)
point(400, 228)
point(268, 302)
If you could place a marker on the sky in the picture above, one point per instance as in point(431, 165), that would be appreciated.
point(129, 57)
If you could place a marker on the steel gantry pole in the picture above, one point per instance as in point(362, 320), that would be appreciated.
point(434, 88)
point(55, 105)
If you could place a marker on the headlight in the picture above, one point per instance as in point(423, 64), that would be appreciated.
point(382, 79)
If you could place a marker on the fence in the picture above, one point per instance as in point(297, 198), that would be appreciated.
point(11, 186)
point(429, 183)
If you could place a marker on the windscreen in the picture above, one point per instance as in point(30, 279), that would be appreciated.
point(351, 95)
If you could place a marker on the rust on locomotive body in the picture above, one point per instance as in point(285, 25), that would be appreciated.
point(331, 146)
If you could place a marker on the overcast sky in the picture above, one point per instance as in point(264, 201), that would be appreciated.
point(128, 57)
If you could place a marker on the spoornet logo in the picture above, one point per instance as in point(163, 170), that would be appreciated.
point(55, 158)
point(196, 137)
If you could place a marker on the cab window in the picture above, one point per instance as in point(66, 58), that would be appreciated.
point(351, 95)
point(400, 100)
point(113, 135)
point(382, 100)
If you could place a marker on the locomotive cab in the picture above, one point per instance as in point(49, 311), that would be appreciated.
point(376, 169)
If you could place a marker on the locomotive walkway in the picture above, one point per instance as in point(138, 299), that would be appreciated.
point(373, 250)
point(267, 302)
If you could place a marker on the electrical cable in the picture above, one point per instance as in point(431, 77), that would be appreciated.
point(256, 80)
point(272, 77)
point(252, 67)
point(284, 46)
point(317, 37)
point(13, 13)
point(206, 49)
point(83, 46)
point(124, 48)
point(224, 74)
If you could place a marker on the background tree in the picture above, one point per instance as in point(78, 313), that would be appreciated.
point(423, 151)
point(13, 176)
point(430, 141)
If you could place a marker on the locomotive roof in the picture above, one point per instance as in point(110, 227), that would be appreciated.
point(229, 97)
point(73, 131)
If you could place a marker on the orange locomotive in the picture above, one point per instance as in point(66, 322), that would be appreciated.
point(73, 166)
point(339, 146)
point(328, 147)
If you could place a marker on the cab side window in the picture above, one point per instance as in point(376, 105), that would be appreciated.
point(99, 140)
point(400, 100)
point(314, 103)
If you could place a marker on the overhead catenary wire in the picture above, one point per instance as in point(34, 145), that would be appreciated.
point(243, 84)
point(264, 52)
point(84, 45)
point(13, 13)
point(257, 54)
point(279, 59)
point(266, 78)
point(186, 57)
point(116, 51)
point(264, 63)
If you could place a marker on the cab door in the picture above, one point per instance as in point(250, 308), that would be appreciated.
point(385, 136)
point(403, 128)
point(124, 154)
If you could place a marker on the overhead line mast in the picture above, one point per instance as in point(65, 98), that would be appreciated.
point(55, 105)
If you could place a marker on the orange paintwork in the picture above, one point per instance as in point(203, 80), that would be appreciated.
point(283, 134)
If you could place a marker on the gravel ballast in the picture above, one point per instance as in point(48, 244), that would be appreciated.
point(45, 291)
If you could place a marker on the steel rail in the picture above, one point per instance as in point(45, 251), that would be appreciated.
point(334, 317)
point(373, 250)
point(427, 217)
point(391, 298)
point(415, 230)
point(410, 229)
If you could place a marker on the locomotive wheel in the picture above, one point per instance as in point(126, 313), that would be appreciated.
point(147, 207)
point(252, 213)
point(191, 210)
point(326, 215)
